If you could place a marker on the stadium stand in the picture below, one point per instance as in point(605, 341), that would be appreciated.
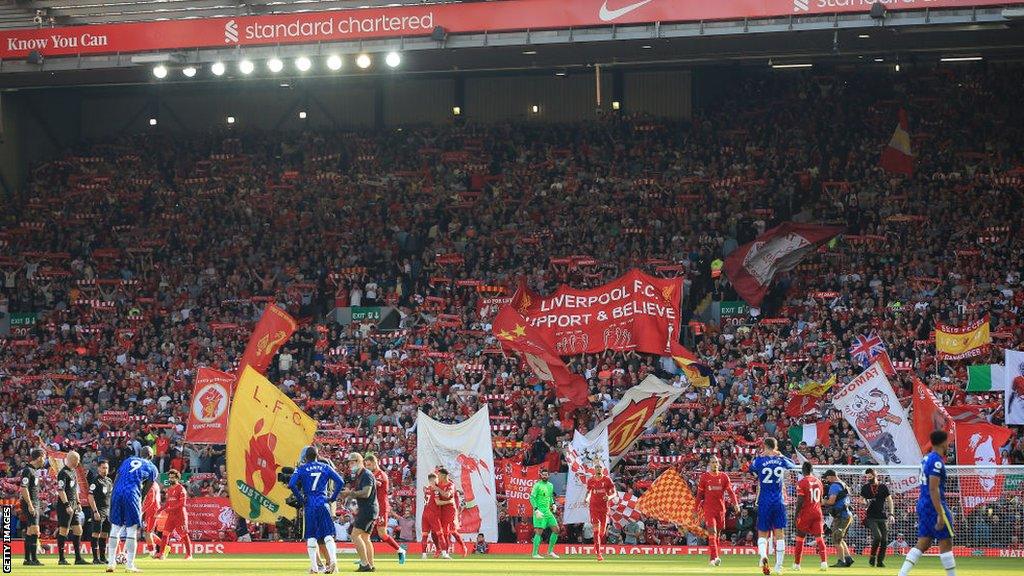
point(143, 257)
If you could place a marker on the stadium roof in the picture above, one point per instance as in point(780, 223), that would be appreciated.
point(991, 29)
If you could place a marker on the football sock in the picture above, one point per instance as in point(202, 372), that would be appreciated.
point(912, 557)
point(948, 562)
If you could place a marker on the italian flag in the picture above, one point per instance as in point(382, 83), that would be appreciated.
point(985, 378)
point(814, 434)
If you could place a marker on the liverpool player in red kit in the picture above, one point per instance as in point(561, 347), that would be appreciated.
point(175, 502)
point(429, 520)
point(446, 512)
point(600, 490)
point(713, 487)
point(810, 523)
point(150, 509)
point(383, 486)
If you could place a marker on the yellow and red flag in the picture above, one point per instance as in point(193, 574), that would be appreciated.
point(669, 499)
point(897, 157)
point(959, 342)
point(266, 432)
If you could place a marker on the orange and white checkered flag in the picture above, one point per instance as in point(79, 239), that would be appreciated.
point(669, 499)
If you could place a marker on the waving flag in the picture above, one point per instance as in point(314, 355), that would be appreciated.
point(897, 157)
point(929, 415)
point(272, 331)
point(959, 342)
point(865, 348)
point(669, 499)
point(980, 444)
point(516, 333)
point(752, 267)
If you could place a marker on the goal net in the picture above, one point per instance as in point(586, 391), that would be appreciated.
point(987, 504)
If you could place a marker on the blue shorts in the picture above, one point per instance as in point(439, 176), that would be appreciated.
point(318, 522)
point(771, 516)
point(125, 510)
point(927, 518)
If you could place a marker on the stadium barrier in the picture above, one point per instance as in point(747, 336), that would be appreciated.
point(299, 549)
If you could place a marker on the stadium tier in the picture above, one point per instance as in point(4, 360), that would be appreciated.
point(431, 324)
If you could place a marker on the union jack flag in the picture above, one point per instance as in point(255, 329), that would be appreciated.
point(865, 348)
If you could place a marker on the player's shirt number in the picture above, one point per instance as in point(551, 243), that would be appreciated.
point(772, 475)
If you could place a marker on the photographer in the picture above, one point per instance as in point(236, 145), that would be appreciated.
point(838, 505)
point(880, 512)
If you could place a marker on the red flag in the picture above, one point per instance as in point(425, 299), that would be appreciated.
point(208, 411)
point(897, 157)
point(978, 445)
point(274, 329)
point(752, 267)
point(885, 362)
point(968, 413)
point(800, 404)
point(929, 415)
point(516, 333)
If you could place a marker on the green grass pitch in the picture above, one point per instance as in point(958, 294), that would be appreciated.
point(524, 566)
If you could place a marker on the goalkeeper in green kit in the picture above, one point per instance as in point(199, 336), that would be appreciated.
point(542, 498)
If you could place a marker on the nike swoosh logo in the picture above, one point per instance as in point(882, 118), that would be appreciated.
point(608, 15)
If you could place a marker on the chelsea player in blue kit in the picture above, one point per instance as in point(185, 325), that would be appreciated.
point(310, 483)
point(934, 522)
point(135, 477)
point(770, 469)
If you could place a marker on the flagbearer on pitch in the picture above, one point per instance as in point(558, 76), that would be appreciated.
point(712, 489)
point(542, 499)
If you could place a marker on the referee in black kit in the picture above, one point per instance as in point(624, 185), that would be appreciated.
point(30, 504)
point(881, 511)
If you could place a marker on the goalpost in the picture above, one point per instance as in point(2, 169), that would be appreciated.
point(987, 504)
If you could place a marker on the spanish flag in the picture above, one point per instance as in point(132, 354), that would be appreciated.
point(267, 431)
point(897, 157)
point(959, 342)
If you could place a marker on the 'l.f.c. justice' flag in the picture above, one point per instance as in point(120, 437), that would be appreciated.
point(266, 432)
point(752, 267)
point(897, 157)
point(273, 330)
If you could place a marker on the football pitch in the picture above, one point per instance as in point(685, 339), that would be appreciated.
point(524, 566)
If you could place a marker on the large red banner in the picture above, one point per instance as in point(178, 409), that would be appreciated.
point(979, 445)
point(633, 312)
point(408, 21)
point(209, 517)
point(208, 412)
point(273, 330)
point(752, 267)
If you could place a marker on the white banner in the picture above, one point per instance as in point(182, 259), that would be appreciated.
point(465, 450)
point(1013, 379)
point(577, 511)
point(872, 408)
point(639, 408)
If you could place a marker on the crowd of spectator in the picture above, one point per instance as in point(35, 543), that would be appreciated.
point(127, 264)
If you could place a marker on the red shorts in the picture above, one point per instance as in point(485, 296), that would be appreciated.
point(810, 525)
point(446, 516)
point(429, 521)
point(382, 518)
point(714, 518)
point(149, 519)
point(598, 515)
point(176, 522)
